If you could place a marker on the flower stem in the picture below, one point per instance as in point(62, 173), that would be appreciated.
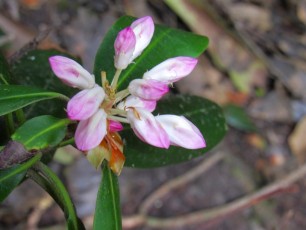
point(63, 97)
point(122, 94)
point(120, 119)
point(115, 79)
point(66, 142)
point(118, 111)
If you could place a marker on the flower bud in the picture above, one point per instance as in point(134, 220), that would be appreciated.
point(171, 70)
point(148, 89)
point(181, 131)
point(147, 128)
point(71, 72)
point(143, 29)
point(124, 48)
point(84, 104)
point(91, 132)
point(114, 126)
point(136, 102)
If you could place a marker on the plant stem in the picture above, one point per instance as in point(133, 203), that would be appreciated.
point(118, 111)
point(10, 127)
point(50, 182)
point(3, 79)
point(122, 94)
point(66, 142)
point(63, 97)
point(120, 119)
point(115, 79)
point(20, 116)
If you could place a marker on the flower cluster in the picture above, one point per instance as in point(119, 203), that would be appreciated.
point(100, 110)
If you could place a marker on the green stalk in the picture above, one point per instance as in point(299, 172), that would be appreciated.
point(20, 116)
point(50, 182)
point(66, 142)
point(115, 79)
point(10, 127)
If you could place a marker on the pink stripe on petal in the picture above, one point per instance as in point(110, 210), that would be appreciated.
point(114, 126)
point(172, 69)
point(84, 104)
point(147, 128)
point(148, 89)
point(91, 132)
point(124, 48)
point(71, 73)
point(136, 102)
point(144, 30)
point(181, 131)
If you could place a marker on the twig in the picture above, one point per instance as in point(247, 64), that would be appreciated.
point(29, 46)
point(212, 215)
point(179, 181)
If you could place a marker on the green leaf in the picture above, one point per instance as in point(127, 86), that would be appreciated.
point(50, 182)
point(107, 214)
point(14, 97)
point(238, 118)
point(41, 132)
point(33, 69)
point(5, 74)
point(166, 43)
point(205, 114)
point(11, 177)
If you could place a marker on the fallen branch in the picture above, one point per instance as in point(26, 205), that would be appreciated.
point(179, 181)
point(213, 215)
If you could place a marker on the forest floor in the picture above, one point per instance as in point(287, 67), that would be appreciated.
point(254, 68)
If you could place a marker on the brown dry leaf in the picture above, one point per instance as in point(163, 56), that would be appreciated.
point(297, 141)
point(253, 16)
point(273, 107)
point(31, 4)
point(301, 11)
point(226, 51)
point(256, 141)
point(206, 81)
point(18, 33)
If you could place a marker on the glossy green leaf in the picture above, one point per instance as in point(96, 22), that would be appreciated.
point(238, 118)
point(166, 43)
point(14, 97)
point(205, 114)
point(5, 74)
point(107, 213)
point(33, 69)
point(41, 132)
point(50, 182)
point(11, 177)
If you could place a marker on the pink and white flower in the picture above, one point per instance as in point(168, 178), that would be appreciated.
point(124, 48)
point(148, 89)
point(71, 72)
point(101, 110)
point(181, 131)
point(171, 70)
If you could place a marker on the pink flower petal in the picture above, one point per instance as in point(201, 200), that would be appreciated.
point(84, 104)
point(147, 128)
point(172, 69)
point(148, 89)
point(136, 102)
point(124, 48)
point(71, 72)
point(181, 131)
point(91, 132)
point(114, 126)
point(143, 29)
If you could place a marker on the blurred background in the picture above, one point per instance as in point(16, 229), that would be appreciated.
point(255, 68)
